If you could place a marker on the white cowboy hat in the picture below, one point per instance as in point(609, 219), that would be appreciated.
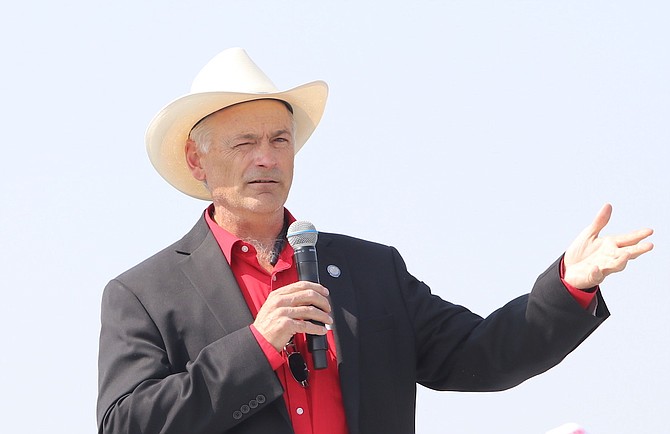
point(229, 78)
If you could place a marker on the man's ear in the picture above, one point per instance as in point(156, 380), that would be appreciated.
point(193, 159)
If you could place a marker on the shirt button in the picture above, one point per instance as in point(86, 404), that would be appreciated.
point(245, 249)
point(299, 410)
point(274, 277)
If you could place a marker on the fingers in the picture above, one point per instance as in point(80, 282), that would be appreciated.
point(632, 238)
point(601, 220)
point(310, 326)
point(615, 252)
point(590, 258)
point(639, 249)
point(302, 294)
point(587, 241)
point(631, 244)
point(293, 309)
point(607, 259)
point(307, 314)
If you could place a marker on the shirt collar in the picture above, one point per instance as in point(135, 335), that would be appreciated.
point(225, 239)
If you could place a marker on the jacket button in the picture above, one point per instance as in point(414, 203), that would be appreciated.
point(237, 415)
point(260, 399)
point(253, 403)
point(244, 409)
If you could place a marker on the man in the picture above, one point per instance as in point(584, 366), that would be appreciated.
point(204, 336)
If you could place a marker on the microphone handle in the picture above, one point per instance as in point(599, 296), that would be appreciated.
point(308, 270)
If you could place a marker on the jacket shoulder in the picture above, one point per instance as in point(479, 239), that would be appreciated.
point(163, 263)
point(327, 239)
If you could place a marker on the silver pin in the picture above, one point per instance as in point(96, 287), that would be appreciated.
point(334, 270)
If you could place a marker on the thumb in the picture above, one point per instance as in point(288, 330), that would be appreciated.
point(601, 220)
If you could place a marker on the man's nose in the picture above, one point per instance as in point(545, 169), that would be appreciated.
point(266, 154)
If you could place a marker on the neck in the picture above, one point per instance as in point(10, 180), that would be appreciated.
point(259, 231)
point(256, 227)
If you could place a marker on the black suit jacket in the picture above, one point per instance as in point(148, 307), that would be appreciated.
point(177, 355)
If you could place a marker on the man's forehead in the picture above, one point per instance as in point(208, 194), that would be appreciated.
point(258, 107)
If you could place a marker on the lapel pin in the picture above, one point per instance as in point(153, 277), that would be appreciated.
point(334, 271)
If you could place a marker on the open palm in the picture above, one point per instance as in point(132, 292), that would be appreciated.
point(590, 258)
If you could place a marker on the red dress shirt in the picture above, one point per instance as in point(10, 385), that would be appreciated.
point(318, 408)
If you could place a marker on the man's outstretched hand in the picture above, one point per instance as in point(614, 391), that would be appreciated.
point(590, 258)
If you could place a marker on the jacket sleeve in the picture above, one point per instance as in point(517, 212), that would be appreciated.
point(459, 350)
point(140, 391)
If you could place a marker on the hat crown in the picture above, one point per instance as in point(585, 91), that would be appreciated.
point(232, 70)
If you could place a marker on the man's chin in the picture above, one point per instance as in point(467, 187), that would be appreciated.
point(260, 205)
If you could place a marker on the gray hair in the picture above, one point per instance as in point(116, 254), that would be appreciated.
point(201, 134)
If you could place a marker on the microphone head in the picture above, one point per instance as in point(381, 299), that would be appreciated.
point(302, 234)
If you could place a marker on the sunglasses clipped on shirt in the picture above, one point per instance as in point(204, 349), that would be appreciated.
point(296, 363)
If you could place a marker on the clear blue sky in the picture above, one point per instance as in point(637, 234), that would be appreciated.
point(478, 137)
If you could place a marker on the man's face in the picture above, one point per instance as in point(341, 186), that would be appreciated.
point(249, 165)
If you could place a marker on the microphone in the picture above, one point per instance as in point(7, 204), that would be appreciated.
point(302, 237)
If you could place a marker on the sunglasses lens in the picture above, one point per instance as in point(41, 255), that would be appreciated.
point(298, 367)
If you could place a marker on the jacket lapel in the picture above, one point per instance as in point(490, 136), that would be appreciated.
point(209, 273)
point(345, 315)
